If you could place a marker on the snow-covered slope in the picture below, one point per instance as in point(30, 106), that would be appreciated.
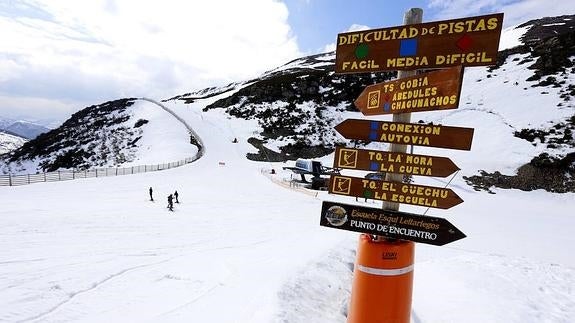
point(240, 248)
point(10, 142)
point(120, 132)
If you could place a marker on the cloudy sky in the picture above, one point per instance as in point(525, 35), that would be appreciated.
point(59, 56)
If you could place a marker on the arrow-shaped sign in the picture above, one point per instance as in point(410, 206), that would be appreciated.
point(432, 91)
point(391, 224)
point(392, 162)
point(441, 198)
point(407, 133)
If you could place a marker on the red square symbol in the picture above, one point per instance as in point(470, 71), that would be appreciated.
point(464, 43)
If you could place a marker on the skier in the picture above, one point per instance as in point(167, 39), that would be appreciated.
point(170, 203)
point(151, 192)
point(176, 196)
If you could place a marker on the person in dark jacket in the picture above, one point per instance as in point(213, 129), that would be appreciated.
point(170, 203)
point(176, 196)
point(151, 194)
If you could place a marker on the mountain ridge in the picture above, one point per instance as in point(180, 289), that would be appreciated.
point(297, 104)
point(22, 128)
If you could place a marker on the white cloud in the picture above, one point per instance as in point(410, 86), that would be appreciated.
point(523, 11)
point(515, 11)
point(354, 27)
point(136, 48)
point(35, 109)
point(453, 9)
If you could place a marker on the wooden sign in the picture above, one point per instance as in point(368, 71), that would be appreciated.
point(407, 133)
point(392, 162)
point(441, 198)
point(391, 224)
point(438, 90)
point(471, 41)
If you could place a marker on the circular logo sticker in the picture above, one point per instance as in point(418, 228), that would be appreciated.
point(336, 215)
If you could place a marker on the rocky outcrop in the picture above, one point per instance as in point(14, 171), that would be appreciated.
point(545, 172)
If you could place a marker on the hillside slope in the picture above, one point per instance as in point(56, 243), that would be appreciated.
point(9, 142)
point(98, 250)
point(531, 92)
point(115, 133)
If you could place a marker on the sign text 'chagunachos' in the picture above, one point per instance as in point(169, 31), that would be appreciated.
point(433, 91)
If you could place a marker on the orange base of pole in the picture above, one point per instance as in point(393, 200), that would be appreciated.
point(382, 282)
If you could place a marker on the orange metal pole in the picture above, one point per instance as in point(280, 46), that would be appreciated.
point(382, 282)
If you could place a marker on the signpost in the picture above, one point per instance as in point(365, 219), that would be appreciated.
point(390, 162)
point(438, 90)
point(383, 273)
point(442, 198)
point(391, 224)
point(407, 133)
point(471, 41)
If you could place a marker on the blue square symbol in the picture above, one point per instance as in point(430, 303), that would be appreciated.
point(374, 166)
point(373, 125)
point(373, 135)
point(386, 106)
point(408, 47)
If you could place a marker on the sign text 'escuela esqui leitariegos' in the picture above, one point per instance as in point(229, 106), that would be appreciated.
point(392, 224)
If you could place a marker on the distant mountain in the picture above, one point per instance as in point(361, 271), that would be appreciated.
point(22, 128)
point(10, 142)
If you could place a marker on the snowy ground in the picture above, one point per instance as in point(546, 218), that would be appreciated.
point(241, 248)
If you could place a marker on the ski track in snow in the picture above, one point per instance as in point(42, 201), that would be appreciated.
point(73, 295)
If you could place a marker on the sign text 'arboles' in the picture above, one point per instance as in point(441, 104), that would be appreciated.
point(438, 90)
point(472, 41)
point(441, 198)
point(391, 224)
point(407, 133)
point(393, 162)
